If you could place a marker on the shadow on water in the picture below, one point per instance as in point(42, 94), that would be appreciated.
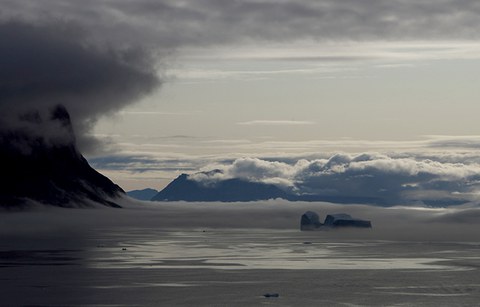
point(14, 258)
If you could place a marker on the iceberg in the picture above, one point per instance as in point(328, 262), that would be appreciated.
point(311, 221)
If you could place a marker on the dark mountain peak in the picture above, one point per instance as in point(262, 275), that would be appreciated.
point(39, 161)
point(33, 132)
point(182, 177)
point(228, 190)
point(60, 113)
point(60, 118)
point(205, 186)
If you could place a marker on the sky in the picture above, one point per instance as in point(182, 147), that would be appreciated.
point(312, 90)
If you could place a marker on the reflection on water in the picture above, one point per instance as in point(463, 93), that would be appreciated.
point(240, 249)
point(434, 291)
point(247, 249)
point(38, 257)
point(145, 285)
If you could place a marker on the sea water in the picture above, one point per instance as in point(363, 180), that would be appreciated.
point(238, 255)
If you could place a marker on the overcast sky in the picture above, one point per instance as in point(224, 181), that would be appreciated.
point(180, 86)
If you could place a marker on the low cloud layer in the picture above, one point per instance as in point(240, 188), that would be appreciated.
point(384, 179)
point(403, 223)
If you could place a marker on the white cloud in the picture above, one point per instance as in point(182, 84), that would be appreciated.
point(250, 169)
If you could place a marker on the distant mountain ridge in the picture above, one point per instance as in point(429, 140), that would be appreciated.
point(229, 190)
point(184, 188)
point(145, 194)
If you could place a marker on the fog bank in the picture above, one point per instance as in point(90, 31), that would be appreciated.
point(394, 223)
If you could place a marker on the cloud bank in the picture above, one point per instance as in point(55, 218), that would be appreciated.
point(379, 178)
point(203, 22)
point(395, 223)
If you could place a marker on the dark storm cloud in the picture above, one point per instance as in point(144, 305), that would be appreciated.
point(43, 65)
point(52, 63)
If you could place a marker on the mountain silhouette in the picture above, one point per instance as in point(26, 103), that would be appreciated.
point(230, 190)
point(183, 188)
point(40, 162)
point(145, 194)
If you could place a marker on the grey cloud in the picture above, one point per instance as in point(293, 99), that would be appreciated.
point(205, 22)
point(459, 142)
point(217, 21)
point(140, 164)
point(326, 20)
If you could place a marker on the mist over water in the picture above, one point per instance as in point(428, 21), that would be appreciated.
point(456, 223)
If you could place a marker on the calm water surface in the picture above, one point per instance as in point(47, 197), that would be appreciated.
point(235, 267)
